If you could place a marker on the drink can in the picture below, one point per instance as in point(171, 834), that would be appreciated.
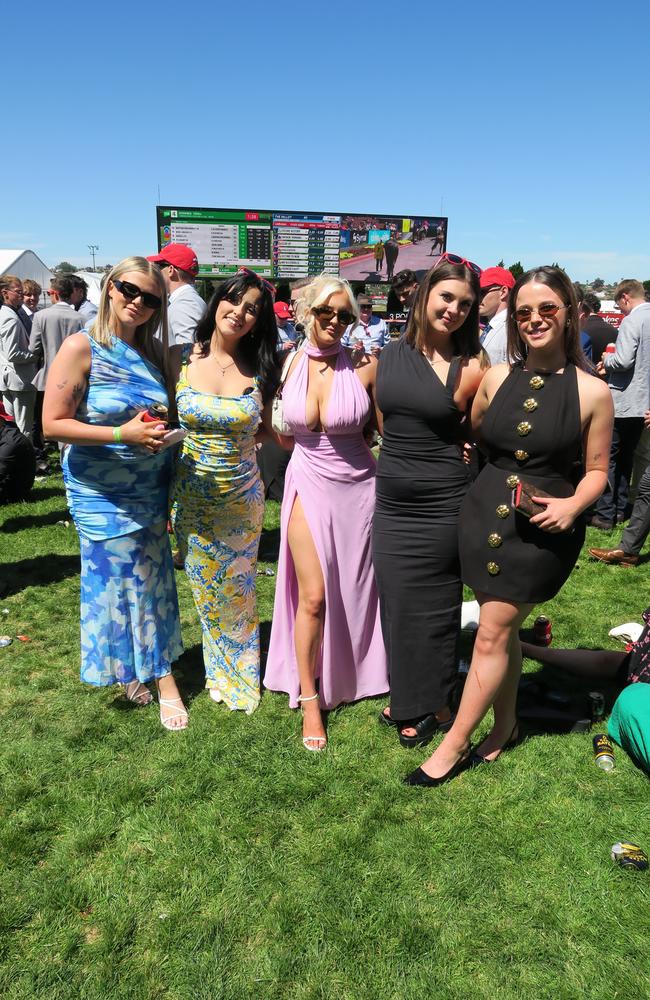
point(629, 856)
point(604, 752)
point(5, 640)
point(156, 413)
point(543, 631)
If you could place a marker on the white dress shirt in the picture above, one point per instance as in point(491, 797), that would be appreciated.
point(496, 339)
point(186, 310)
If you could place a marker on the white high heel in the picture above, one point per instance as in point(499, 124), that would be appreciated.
point(308, 741)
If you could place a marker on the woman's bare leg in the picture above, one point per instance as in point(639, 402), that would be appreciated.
point(493, 672)
point(308, 628)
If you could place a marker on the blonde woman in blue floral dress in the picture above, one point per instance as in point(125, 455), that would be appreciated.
point(117, 481)
point(223, 382)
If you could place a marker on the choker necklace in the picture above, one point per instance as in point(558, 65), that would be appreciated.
point(321, 352)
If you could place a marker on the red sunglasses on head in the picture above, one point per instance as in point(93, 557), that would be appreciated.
point(267, 284)
point(453, 258)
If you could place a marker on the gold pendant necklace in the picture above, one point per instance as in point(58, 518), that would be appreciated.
point(221, 367)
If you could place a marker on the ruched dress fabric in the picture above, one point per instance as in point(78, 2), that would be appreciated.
point(531, 431)
point(333, 474)
point(421, 482)
point(118, 498)
point(218, 510)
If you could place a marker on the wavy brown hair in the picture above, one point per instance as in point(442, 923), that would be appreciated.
point(559, 282)
point(465, 340)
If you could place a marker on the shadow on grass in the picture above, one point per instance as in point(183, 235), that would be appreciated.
point(38, 572)
point(14, 524)
point(269, 545)
point(46, 493)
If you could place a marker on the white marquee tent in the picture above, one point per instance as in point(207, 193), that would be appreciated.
point(25, 264)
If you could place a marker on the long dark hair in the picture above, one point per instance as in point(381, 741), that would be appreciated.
point(558, 281)
point(465, 340)
point(258, 349)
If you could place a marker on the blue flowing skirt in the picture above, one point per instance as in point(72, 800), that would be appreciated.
point(130, 625)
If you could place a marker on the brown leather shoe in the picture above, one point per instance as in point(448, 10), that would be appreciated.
point(615, 557)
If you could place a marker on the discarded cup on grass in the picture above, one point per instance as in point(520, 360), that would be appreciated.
point(629, 856)
point(5, 640)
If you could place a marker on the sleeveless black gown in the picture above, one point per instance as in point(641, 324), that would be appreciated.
point(420, 484)
point(531, 431)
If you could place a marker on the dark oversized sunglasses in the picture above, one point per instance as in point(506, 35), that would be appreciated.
point(326, 312)
point(453, 258)
point(546, 311)
point(132, 292)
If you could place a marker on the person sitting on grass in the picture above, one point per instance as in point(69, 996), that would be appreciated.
point(629, 723)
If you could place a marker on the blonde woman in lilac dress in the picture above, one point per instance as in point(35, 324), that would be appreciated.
point(326, 644)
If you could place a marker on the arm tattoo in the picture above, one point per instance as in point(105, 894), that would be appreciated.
point(76, 395)
point(62, 385)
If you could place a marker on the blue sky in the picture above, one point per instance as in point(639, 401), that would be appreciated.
point(527, 123)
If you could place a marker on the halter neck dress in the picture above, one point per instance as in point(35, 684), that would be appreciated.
point(532, 432)
point(333, 473)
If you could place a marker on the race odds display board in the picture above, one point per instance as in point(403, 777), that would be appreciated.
point(286, 245)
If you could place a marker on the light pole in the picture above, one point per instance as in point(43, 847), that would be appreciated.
point(93, 250)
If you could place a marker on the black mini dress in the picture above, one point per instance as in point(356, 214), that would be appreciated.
point(531, 431)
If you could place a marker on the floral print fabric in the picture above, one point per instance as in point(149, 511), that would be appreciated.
point(130, 627)
point(118, 497)
point(218, 509)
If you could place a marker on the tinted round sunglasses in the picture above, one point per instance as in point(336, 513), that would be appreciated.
point(546, 311)
point(132, 292)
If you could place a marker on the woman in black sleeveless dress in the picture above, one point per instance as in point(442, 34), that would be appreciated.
point(424, 384)
point(536, 421)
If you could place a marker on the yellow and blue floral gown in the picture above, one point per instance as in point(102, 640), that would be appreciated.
point(218, 509)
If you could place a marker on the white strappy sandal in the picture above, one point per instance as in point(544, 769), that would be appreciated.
point(179, 713)
point(138, 693)
point(313, 743)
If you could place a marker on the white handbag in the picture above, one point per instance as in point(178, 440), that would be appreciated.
point(277, 413)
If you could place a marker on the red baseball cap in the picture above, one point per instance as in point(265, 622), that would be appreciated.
point(179, 255)
point(496, 276)
point(281, 310)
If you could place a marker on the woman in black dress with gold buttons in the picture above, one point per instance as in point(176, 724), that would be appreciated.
point(538, 421)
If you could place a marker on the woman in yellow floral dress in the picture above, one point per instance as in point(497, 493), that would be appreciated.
point(223, 382)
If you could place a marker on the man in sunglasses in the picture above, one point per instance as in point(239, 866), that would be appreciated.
point(180, 266)
point(371, 330)
point(496, 284)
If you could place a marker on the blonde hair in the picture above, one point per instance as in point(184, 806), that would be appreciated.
point(101, 327)
point(317, 293)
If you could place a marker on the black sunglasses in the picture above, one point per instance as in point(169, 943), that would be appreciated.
point(326, 313)
point(132, 292)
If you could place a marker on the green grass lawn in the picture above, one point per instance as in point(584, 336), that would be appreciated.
point(225, 862)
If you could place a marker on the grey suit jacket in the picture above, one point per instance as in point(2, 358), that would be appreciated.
point(628, 370)
point(50, 327)
point(17, 362)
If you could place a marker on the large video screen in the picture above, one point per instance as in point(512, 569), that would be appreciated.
point(289, 245)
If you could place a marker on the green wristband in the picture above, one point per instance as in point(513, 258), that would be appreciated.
point(117, 434)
